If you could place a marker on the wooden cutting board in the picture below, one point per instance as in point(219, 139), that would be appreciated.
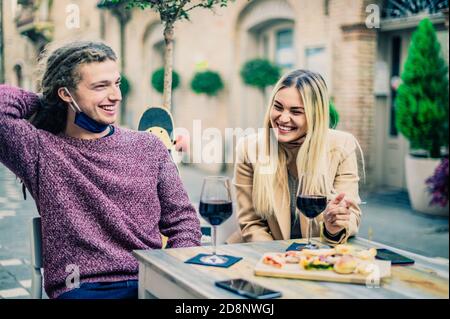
point(294, 271)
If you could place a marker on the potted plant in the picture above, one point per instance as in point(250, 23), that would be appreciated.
point(422, 113)
point(125, 88)
point(260, 73)
point(438, 186)
point(334, 116)
point(207, 82)
point(157, 80)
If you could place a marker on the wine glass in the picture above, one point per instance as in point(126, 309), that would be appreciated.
point(215, 208)
point(311, 200)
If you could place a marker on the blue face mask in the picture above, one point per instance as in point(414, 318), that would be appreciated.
point(84, 121)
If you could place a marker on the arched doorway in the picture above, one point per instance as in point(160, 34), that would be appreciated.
point(264, 29)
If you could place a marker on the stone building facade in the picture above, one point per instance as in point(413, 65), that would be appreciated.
point(338, 38)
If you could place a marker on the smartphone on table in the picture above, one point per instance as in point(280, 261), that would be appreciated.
point(248, 289)
point(393, 257)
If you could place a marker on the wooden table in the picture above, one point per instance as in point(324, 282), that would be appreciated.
point(163, 274)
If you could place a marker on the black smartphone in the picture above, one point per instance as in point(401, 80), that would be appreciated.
point(248, 289)
point(396, 259)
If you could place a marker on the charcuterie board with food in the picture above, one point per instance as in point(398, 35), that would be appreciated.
point(343, 263)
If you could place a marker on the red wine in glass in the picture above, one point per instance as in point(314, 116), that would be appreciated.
point(312, 199)
point(311, 205)
point(216, 212)
point(215, 207)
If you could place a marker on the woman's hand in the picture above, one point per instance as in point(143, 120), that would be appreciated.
point(337, 214)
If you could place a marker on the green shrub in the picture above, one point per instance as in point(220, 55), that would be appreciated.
point(334, 116)
point(422, 98)
point(125, 86)
point(260, 73)
point(207, 82)
point(158, 80)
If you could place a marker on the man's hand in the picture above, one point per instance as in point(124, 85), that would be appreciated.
point(182, 143)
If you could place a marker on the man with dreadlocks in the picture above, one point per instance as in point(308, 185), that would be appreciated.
point(102, 191)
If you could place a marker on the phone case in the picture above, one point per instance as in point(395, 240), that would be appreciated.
point(396, 259)
point(269, 295)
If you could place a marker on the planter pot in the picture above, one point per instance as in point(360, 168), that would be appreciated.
point(418, 170)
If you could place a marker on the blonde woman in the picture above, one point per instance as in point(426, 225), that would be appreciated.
point(298, 115)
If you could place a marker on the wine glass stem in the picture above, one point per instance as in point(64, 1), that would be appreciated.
point(309, 231)
point(214, 239)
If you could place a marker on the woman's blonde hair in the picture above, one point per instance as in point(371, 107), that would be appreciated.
point(312, 156)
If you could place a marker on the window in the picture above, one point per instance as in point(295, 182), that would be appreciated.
point(19, 75)
point(284, 55)
point(265, 45)
point(159, 48)
point(395, 72)
point(316, 61)
point(276, 43)
point(25, 2)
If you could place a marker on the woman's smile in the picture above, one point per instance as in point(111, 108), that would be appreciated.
point(285, 128)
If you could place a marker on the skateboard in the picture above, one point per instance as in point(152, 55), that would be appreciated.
point(159, 122)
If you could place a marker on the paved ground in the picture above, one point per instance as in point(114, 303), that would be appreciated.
point(388, 213)
point(15, 215)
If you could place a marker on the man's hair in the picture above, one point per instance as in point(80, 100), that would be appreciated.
point(61, 69)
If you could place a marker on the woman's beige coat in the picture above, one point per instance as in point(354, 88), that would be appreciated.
point(343, 170)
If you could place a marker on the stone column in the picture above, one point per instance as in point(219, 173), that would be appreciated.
point(354, 53)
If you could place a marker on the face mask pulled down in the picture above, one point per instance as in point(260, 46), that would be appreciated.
point(83, 120)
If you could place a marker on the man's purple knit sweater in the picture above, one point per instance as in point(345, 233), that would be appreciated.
point(99, 199)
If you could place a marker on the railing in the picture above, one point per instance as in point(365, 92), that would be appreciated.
point(393, 9)
point(33, 20)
